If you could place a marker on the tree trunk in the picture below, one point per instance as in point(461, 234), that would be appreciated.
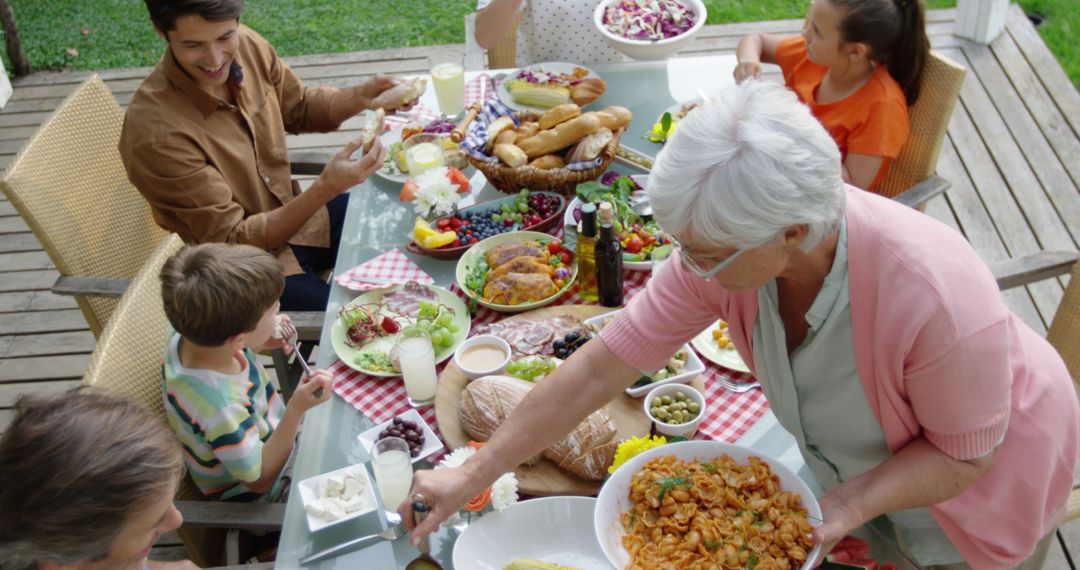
point(14, 49)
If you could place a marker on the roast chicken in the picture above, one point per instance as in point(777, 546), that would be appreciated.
point(501, 254)
point(523, 264)
point(516, 288)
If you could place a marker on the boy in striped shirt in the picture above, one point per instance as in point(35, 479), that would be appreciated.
point(236, 433)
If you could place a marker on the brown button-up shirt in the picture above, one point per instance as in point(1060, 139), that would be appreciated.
point(211, 170)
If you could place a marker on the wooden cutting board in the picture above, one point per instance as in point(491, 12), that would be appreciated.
point(544, 478)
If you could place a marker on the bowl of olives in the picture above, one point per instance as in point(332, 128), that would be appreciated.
point(677, 409)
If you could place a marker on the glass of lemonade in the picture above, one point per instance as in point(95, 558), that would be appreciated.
point(392, 464)
point(423, 152)
point(417, 357)
point(448, 76)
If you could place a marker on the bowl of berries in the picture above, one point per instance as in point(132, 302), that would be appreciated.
point(450, 236)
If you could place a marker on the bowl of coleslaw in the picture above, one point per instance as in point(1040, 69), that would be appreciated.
point(649, 29)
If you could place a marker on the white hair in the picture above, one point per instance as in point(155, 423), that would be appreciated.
point(746, 164)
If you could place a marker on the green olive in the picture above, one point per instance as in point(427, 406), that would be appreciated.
point(665, 399)
point(694, 407)
point(679, 396)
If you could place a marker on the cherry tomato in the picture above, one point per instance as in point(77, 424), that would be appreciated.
point(458, 177)
point(566, 257)
point(554, 246)
point(634, 245)
point(408, 191)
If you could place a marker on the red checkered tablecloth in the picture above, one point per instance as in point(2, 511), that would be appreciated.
point(380, 399)
point(476, 89)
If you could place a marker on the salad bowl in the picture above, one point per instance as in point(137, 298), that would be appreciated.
point(635, 17)
point(472, 271)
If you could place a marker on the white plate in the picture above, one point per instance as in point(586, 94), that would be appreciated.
point(691, 369)
point(727, 357)
point(431, 441)
point(614, 498)
point(388, 138)
point(309, 491)
point(552, 529)
point(556, 67)
point(569, 223)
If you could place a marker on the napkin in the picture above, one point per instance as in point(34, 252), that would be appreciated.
point(392, 265)
point(478, 88)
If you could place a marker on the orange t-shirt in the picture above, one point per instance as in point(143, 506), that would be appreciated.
point(872, 120)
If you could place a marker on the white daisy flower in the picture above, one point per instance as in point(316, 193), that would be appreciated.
point(435, 194)
point(504, 491)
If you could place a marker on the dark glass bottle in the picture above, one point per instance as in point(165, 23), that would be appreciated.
point(586, 254)
point(609, 271)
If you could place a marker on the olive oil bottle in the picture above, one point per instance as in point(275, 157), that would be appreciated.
point(586, 254)
point(609, 270)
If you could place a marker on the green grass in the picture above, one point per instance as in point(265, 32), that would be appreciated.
point(118, 32)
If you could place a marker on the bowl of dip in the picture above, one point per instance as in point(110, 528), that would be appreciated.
point(482, 355)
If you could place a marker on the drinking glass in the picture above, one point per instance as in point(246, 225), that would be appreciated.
point(448, 76)
point(417, 357)
point(392, 464)
point(423, 152)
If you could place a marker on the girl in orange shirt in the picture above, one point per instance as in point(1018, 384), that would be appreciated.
point(858, 66)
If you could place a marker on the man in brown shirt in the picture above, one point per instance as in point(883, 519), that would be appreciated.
point(204, 142)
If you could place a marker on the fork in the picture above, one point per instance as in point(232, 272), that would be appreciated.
point(292, 339)
point(395, 531)
point(738, 387)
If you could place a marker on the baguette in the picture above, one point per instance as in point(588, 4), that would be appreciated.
point(614, 118)
point(548, 161)
point(527, 129)
point(373, 127)
point(559, 114)
point(562, 136)
point(506, 137)
point(588, 90)
point(590, 147)
point(511, 155)
point(495, 129)
point(400, 95)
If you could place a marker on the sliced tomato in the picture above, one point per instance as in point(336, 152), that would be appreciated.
point(554, 246)
point(458, 177)
point(408, 191)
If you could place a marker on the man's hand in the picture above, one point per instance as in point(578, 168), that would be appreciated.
point(342, 172)
point(381, 82)
point(314, 390)
point(747, 70)
point(446, 491)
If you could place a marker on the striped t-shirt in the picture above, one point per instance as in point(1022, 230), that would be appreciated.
point(222, 420)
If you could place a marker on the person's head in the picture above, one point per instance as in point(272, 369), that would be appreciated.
point(201, 33)
point(86, 482)
point(889, 32)
point(218, 294)
point(749, 170)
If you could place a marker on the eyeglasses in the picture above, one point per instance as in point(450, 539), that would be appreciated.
point(695, 267)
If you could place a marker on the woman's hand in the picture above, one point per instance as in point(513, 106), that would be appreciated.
point(446, 491)
point(838, 520)
point(747, 70)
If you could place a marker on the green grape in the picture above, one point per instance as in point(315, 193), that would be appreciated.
point(523, 207)
point(513, 367)
point(445, 319)
point(524, 193)
point(427, 308)
point(452, 327)
point(507, 208)
point(518, 218)
point(436, 338)
point(424, 325)
point(496, 218)
point(445, 334)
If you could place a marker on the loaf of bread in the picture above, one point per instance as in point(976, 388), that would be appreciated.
point(511, 155)
point(373, 127)
point(506, 137)
point(559, 114)
point(590, 147)
point(614, 118)
point(586, 452)
point(562, 136)
point(588, 90)
point(527, 129)
point(494, 129)
point(548, 161)
point(400, 95)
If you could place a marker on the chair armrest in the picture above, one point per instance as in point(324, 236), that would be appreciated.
point(923, 192)
point(243, 516)
point(1032, 268)
point(309, 162)
point(308, 324)
point(90, 286)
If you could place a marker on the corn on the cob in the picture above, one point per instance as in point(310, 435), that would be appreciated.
point(543, 96)
point(525, 564)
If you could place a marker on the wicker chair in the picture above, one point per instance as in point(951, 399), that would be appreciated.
point(502, 56)
point(70, 186)
point(127, 361)
point(912, 174)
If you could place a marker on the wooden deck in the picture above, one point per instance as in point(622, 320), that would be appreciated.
point(1012, 154)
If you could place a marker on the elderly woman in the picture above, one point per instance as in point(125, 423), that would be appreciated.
point(86, 482)
point(878, 335)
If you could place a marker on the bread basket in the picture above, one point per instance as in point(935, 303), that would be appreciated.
point(559, 180)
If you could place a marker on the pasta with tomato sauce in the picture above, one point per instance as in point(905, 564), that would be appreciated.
point(713, 514)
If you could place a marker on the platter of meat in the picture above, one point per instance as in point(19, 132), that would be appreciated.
point(516, 272)
point(367, 329)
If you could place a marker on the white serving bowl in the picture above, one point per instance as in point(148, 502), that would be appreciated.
point(479, 340)
point(614, 498)
point(685, 429)
point(650, 50)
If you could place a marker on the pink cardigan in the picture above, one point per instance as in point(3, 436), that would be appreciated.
point(939, 355)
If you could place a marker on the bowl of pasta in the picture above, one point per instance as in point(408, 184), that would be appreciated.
point(757, 512)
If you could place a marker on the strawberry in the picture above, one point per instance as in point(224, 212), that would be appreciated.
point(389, 326)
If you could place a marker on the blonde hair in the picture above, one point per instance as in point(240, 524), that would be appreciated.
point(74, 467)
point(214, 291)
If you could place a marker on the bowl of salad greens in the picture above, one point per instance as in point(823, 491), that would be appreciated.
point(649, 29)
point(639, 235)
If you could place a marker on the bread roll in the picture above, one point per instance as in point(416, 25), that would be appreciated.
point(548, 161)
point(373, 127)
point(559, 114)
point(494, 129)
point(562, 136)
point(506, 137)
point(614, 118)
point(511, 155)
point(586, 452)
point(400, 95)
point(590, 147)
point(527, 129)
point(588, 90)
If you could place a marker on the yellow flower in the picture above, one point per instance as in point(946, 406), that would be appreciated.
point(633, 447)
